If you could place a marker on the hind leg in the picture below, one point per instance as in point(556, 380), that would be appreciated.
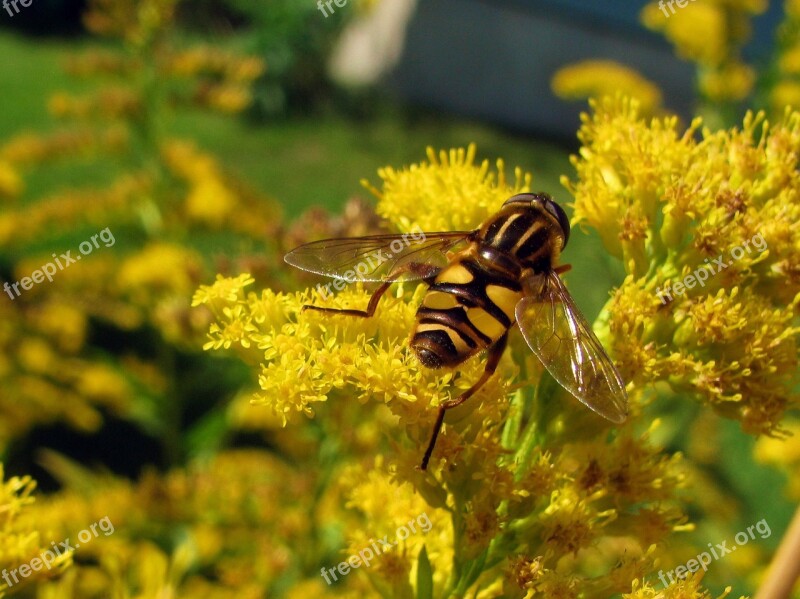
point(493, 359)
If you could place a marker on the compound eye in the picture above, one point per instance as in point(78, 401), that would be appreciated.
point(561, 216)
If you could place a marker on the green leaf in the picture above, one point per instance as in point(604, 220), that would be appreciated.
point(424, 576)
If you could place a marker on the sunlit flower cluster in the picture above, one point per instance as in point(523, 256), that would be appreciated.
point(449, 192)
point(24, 538)
point(226, 528)
point(44, 377)
point(667, 203)
point(542, 501)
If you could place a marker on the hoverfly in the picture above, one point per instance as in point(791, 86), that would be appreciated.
point(504, 273)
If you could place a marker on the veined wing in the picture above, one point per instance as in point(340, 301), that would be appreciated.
point(377, 257)
point(563, 340)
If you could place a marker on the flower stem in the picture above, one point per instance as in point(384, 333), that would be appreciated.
point(785, 568)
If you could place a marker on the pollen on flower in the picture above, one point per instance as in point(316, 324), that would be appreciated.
point(727, 334)
point(225, 289)
point(568, 523)
point(517, 479)
point(685, 588)
point(449, 192)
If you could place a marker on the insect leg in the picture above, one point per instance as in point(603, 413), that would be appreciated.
point(427, 270)
point(373, 304)
point(492, 360)
point(560, 270)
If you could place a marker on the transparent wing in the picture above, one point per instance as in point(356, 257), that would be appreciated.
point(376, 257)
point(561, 338)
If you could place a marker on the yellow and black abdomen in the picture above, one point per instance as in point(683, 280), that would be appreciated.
point(469, 305)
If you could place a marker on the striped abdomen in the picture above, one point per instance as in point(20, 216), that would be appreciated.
point(468, 307)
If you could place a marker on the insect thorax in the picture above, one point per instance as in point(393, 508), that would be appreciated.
point(524, 233)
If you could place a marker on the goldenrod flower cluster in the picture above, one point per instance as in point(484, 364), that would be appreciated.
point(698, 310)
point(165, 190)
point(527, 493)
point(230, 527)
point(710, 33)
point(45, 378)
point(23, 537)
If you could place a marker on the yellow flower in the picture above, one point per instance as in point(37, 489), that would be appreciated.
point(22, 540)
point(699, 31)
point(110, 103)
point(597, 78)
point(225, 289)
point(65, 324)
point(734, 81)
point(210, 201)
point(136, 22)
point(160, 267)
point(688, 588)
point(789, 61)
point(785, 94)
point(227, 98)
point(11, 184)
point(397, 516)
point(710, 33)
point(449, 192)
point(519, 472)
point(708, 304)
point(243, 517)
point(98, 382)
point(783, 451)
